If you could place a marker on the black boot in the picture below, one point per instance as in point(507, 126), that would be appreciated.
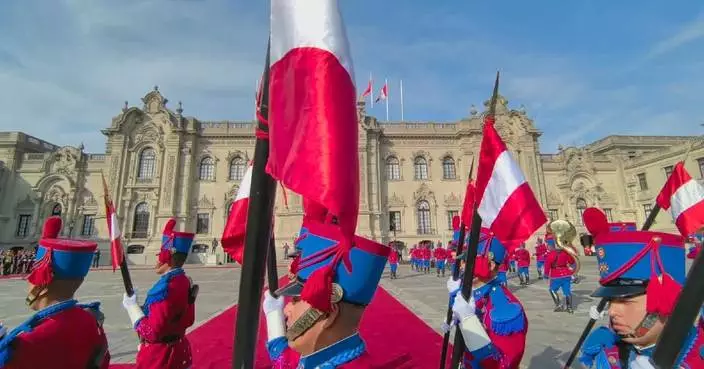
point(527, 279)
point(568, 303)
point(520, 277)
point(556, 300)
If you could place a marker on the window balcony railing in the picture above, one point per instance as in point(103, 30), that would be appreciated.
point(424, 231)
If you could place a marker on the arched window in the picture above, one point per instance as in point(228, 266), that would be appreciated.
point(420, 166)
point(237, 169)
point(581, 206)
point(393, 169)
point(56, 210)
point(207, 169)
point(424, 224)
point(147, 162)
point(140, 226)
point(448, 168)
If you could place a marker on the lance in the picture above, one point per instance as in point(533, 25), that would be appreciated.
point(459, 345)
point(602, 304)
point(124, 271)
point(455, 276)
point(258, 233)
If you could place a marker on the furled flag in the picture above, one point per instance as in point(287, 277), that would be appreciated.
point(469, 200)
point(313, 128)
point(368, 90)
point(506, 203)
point(116, 250)
point(685, 196)
point(233, 236)
point(383, 93)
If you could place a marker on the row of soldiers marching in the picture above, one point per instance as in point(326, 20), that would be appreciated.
point(66, 334)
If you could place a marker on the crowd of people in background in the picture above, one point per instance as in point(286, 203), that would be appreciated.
point(17, 261)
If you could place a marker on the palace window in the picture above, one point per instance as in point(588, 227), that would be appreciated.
point(88, 225)
point(609, 215)
point(23, 225)
point(237, 169)
point(56, 210)
point(668, 171)
point(202, 223)
point(395, 221)
point(140, 225)
point(135, 249)
point(642, 181)
point(581, 206)
point(450, 215)
point(147, 162)
point(553, 215)
point(448, 168)
point(207, 169)
point(393, 169)
point(420, 166)
point(424, 224)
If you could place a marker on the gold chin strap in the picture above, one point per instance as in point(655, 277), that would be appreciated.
point(30, 299)
point(312, 316)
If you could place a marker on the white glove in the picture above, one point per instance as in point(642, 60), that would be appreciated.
point(274, 311)
point(595, 314)
point(444, 327)
point(132, 306)
point(3, 331)
point(453, 285)
point(462, 308)
point(641, 362)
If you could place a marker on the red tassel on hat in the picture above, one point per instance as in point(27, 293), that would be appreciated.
point(653, 295)
point(52, 227)
point(318, 289)
point(42, 273)
point(662, 295)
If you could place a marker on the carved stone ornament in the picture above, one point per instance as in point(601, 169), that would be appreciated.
point(424, 193)
point(452, 199)
point(154, 102)
point(395, 200)
point(63, 161)
point(423, 154)
point(56, 194)
point(554, 199)
point(205, 203)
point(27, 203)
point(579, 161)
point(149, 133)
point(237, 153)
point(88, 200)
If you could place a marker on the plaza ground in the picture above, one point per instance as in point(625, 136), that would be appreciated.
point(550, 336)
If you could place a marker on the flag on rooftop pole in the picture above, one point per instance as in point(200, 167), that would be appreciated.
point(685, 196)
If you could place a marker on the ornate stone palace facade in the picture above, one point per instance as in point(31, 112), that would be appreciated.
point(159, 163)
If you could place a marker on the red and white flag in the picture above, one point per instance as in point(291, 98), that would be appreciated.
point(685, 196)
point(368, 90)
point(383, 93)
point(313, 128)
point(116, 250)
point(506, 202)
point(233, 236)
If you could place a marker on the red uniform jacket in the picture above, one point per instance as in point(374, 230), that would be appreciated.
point(70, 339)
point(503, 267)
point(425, 254)
point(506, 349)
point(557, 264)
point(415, 254)
point(393, 257)
point(168, 313)
point(522, 257)
point(440, 254)
point(541, 252)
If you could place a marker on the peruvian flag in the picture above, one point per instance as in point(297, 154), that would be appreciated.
point(116, 250)
point(313, 128)
point(383, 93)
point(233, 236)
point(506, 202)
point(468, 206)
point(368, 90)
point(686, 198)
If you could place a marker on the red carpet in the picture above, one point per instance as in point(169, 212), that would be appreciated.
point(392, 333)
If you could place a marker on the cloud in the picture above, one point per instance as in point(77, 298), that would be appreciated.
point(691, 32)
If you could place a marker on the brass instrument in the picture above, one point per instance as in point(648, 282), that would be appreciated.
point(564, 233)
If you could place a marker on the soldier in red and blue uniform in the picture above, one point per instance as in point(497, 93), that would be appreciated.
point(335, 281)
point(493, 322)
point(641, 274)
point(559, 269)
point(169, 308)
point(62, 334)
point(440, 254)
point(393, 264)
point(523, 260)
point(426, 254)
point(414, 258)
point(541, 250)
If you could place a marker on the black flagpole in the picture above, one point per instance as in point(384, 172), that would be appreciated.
point(455, 276)
point(259, 225)
point(126, 279)
point(459, 345)
point(602, 304)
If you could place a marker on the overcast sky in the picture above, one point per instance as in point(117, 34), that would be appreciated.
point(583, 71)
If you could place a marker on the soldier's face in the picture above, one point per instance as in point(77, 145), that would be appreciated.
point(626, 316)
point(306, 342)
